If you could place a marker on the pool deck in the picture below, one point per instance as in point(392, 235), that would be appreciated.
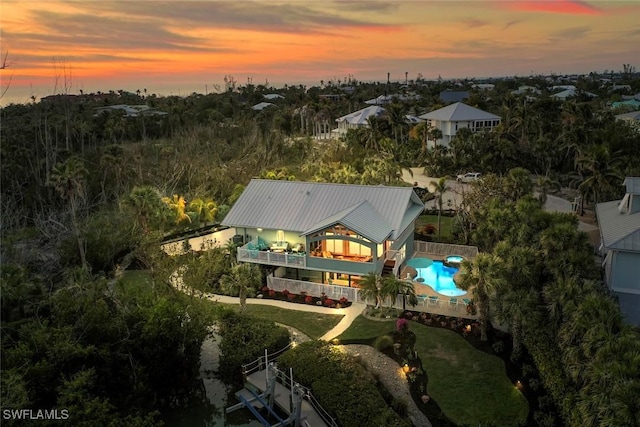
point(443, 304)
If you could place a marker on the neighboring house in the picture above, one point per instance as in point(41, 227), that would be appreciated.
point(448, 96)
point(129, 110)
point(457, 116)
point(621, 87)
point(272, 96)
point(633, 118)
point(262, 105)
point(570, 93)
point(620, 244)
point(634, 103)
point(563, 87)
point(325, 233)
point(357, 119)
point(484, 86)
point(412, 120)
point(628, 97)
point(387, 99)
point(526, 90)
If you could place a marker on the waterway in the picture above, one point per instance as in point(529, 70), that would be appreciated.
point(219, 396)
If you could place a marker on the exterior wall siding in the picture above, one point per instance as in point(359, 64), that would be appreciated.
point(625, 272)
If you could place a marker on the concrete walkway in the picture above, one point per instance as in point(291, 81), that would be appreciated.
point(349, 314)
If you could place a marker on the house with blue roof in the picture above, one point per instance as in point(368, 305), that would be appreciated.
point(324, 233)
point(619, 222)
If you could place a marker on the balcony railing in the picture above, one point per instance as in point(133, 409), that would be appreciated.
point(272, 258)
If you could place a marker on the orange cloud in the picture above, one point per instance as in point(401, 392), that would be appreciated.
point(572, 7)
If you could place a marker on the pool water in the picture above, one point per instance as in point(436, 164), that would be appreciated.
point(455, 259)
point(437, 275)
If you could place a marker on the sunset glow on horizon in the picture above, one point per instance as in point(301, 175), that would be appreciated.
point(182, 46)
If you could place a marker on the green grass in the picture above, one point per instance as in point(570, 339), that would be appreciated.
point(445, 221)
point(313, 325)
point(471, 387)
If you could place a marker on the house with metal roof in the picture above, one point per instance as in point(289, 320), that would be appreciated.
point(454, 117)
point(324, 233)
point(619, 223)
point(357, 119)
point(572, 93)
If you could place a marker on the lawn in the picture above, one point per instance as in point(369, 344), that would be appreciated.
point(313, 325)
point(470, 387)
point(138, 283)
point(445, 221)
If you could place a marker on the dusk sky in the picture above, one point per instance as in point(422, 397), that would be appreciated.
point(179, 47)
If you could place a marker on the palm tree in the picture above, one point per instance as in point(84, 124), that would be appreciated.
point(231, 248)
point(440, 187)
point(371, 288)
point(147, 203)
point(243, 279)
point(392, 287)
point(544, 184)
point(68, 178)
point(600, 172)
point(203, 211)
point(483, 278)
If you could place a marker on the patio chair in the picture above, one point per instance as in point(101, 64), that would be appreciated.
point(454, 302)
point(422, 299)
point(466, 301)
point(433, 300)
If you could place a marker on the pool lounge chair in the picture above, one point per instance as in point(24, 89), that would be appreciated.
point(454, 301)
point(422, 299)
point(433, 300)
point(466, 301)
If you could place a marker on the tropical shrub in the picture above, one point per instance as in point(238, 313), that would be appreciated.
point(349, 394)
point(244, 339)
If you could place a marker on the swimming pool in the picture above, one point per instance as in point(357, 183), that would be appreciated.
point(437, 275)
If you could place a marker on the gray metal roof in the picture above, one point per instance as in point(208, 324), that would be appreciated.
point(619, 231)
point(361, 218)
point(459, 112)
point(302, 206)
point(360, 117)
point(632, 184)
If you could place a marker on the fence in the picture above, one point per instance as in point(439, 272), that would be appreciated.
point(334, 292)
point(445, 249)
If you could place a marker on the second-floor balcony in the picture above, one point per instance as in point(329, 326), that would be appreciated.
point(269, 257)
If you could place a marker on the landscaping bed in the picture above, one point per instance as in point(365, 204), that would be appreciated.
point(303, 298)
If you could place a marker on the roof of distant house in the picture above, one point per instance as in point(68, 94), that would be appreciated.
point(459, 112)
point(375, 212)
point(273, 96)
point(628, 102)
point(568, 93)
point(360, 117)
point(261, 106)
point(454, 95)
point(633, 115)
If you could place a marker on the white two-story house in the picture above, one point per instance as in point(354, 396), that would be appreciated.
point(450, 119)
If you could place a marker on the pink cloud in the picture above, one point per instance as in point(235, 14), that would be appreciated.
point(572, 7)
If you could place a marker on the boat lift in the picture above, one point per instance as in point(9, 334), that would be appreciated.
point(266, 399)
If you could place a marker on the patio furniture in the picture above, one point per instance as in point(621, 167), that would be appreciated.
point(422, 299)
point(433, 300)
point(454, 302)
point(466, 301)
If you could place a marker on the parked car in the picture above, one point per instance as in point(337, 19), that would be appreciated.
point(469, 177)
